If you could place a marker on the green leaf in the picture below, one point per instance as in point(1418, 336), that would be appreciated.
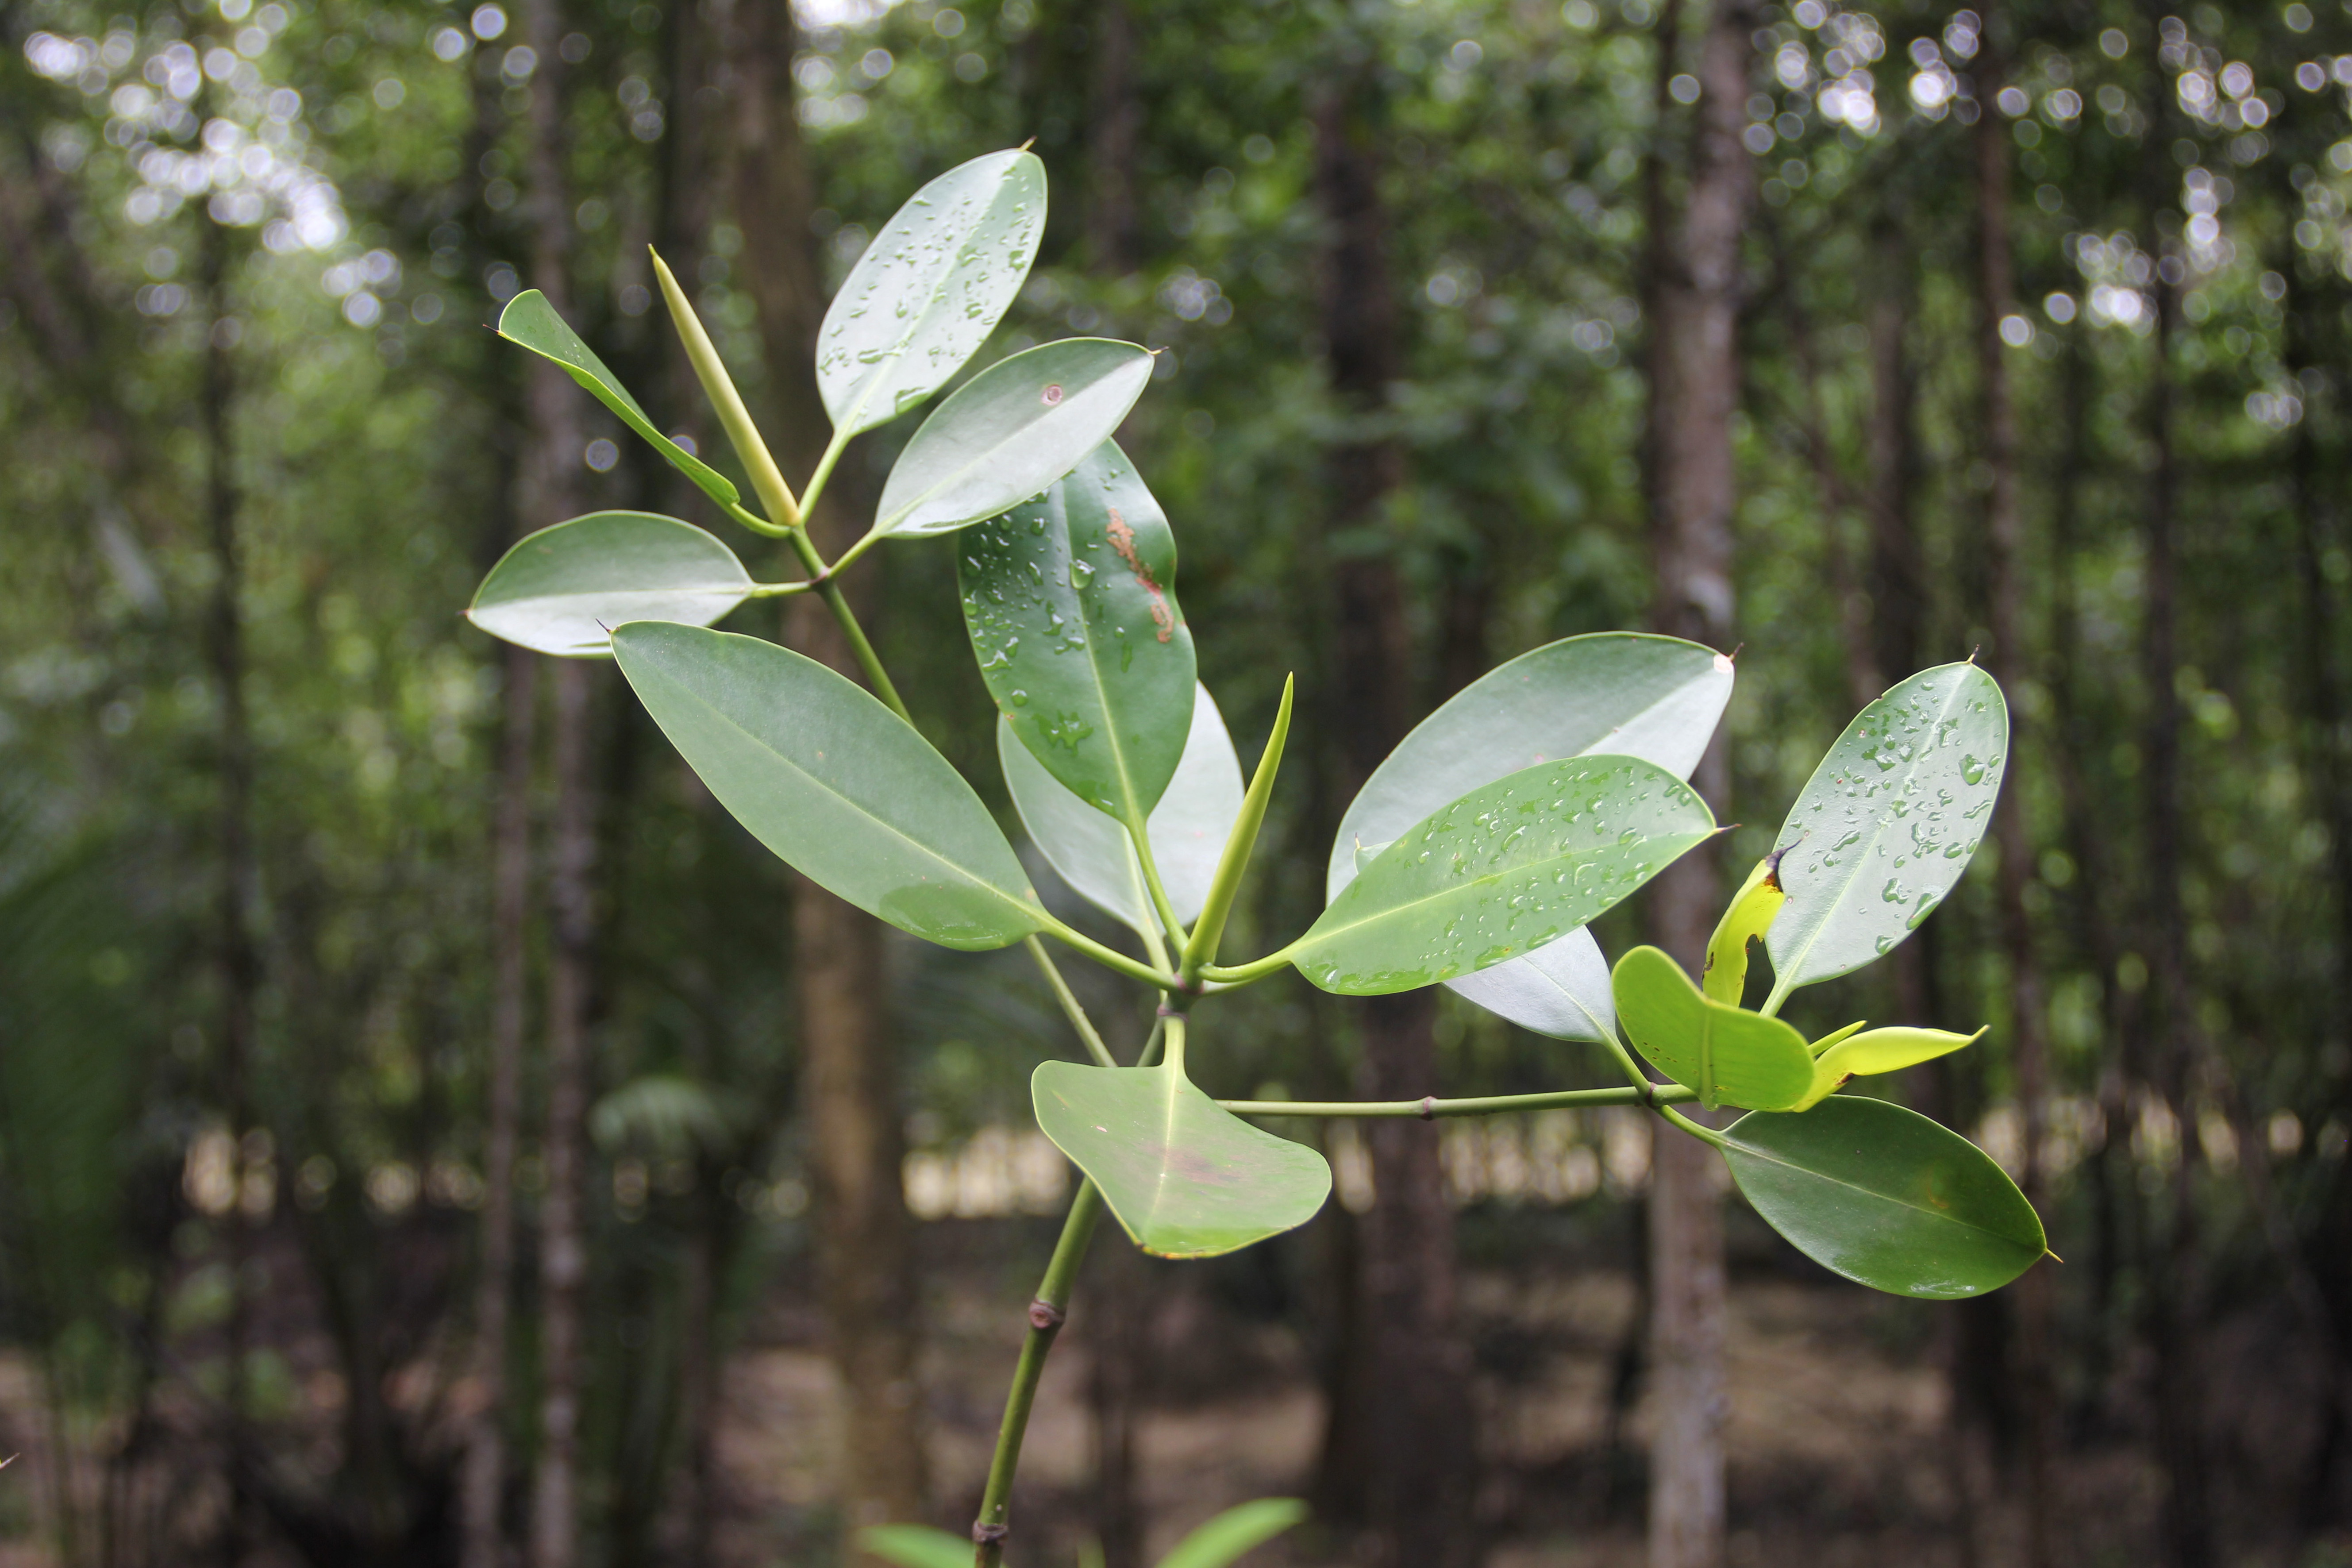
point(1747, 917)
point(1627, 694)
point(1561, 989)
point(917, 1545)
point(1887, 823)
point(1011, 431)
point(1509, 866)
point(1222, 1540)
point(930, 289)
point(1071, 602)
point(1092, 853)
point(1184, 1177)
point(562, 589)
point(833, 782)
point(530, 320)
point(1621, 693)
point(1848, 1054)
point(1729, 1056)
point(1886, 1197)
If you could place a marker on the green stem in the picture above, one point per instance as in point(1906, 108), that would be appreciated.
point(1140, 837)
point(1046, 1316)
point(816, 488)
point(1429, 1109)
point(1704, 1134)
point(1781, 989)
point(1243, 974)
point(1070, 1008)
point(1201, 952)
point(821, 579)
point(1175, 1036)
point(755, 522)
point(871, 538)
point(1111, 958)
point(777, 589)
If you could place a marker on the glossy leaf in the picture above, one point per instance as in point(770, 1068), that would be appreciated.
point(1071, 602)
point(916, 1546)
point(1221, 1541)
point(1561, 989)
point(1749, 916)
point(1509, 866)
point(833, 782)
point(1887, 823)
point(529, 320)
point(1729, 1056)
point(927, 292)
point(1886, 1197)
point(1184, 1177)
point(1657, 698)
point(1849, 1054)
point(1092, 853)
point(1619, 693)
point(562, 589)
point(1011, 431)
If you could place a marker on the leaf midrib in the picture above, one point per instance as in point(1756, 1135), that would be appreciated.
point(891, 828)
point(1318, 934)
point(1753, 1151)
point(1854, 878)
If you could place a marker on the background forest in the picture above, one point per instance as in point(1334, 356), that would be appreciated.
point(432, 1132)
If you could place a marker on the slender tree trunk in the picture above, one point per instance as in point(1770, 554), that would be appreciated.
point(238, 958)
point(2171, 1280)
point(849, 1082)
point(1406, 1448)
point(1114, 218)
point(2010, 666)
point(482, 1496)
point(1695, 390)
point(554, 408)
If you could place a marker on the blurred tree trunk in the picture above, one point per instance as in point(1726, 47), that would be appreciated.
point(1694, 393)
point(1117, 1342)
point(2172, 1277)
point(849, 1084)
point(552, 403)
point(239, 956)
point(1398, 1455)
point(2320, 689)
point(1114, 213)
point(2010, 664)
point(482, 1494)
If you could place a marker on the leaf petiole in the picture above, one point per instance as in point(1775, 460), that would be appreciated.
point(1140, 837)
point(777, 589)
point(1244, 974)
point(1071, 1010)
point(755, 522)
point(1111, 958)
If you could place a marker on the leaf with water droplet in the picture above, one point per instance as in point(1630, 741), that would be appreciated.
point(994, 444)
point(1657, 698)
point(1847, 908)
point(1478, 882)
point(1070, 567)
point(562, 589)
point(927, 292)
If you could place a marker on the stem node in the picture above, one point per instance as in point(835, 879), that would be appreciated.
point(1044, 1316)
